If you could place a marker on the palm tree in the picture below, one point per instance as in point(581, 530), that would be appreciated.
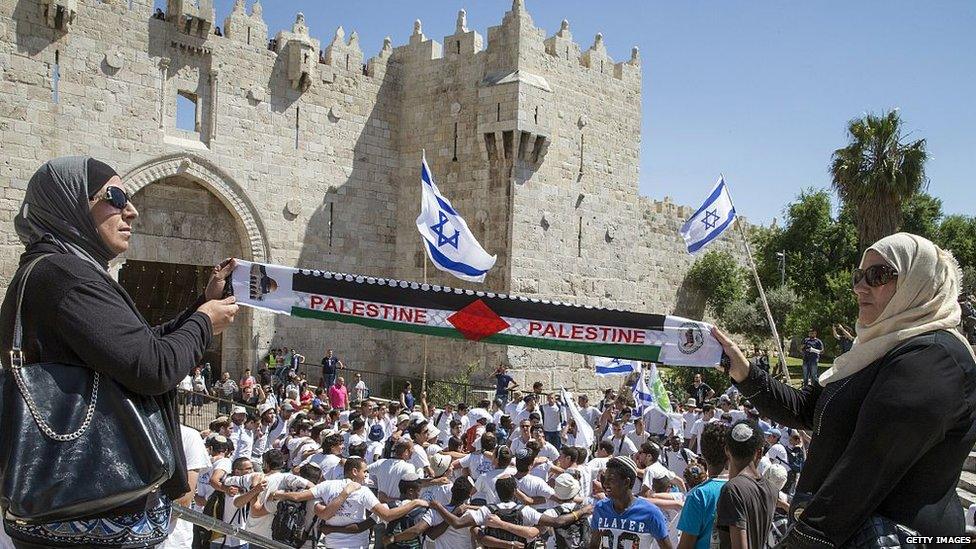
point(876, 173)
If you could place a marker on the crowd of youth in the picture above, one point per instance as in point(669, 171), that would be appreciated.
point(346, 471)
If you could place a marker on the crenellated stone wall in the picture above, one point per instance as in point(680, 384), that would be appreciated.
point(314, 151)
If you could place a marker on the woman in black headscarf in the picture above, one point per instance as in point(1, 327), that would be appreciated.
point(76, 212)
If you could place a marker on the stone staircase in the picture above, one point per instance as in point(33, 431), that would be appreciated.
point(967, 481)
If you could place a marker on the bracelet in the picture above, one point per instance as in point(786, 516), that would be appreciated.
point(575, 516)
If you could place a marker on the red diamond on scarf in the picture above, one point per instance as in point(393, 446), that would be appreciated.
point(477, 321)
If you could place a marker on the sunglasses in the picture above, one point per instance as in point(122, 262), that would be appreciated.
point(875, 275)
point(116, 197)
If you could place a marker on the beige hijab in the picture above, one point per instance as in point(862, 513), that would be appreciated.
point(925, 300)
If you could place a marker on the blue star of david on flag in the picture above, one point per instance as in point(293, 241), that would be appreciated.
point(708, 223)
point(710, 218)
point(438, 229)
point(446, 237)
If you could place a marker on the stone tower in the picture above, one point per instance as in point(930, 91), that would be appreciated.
point(305, 154)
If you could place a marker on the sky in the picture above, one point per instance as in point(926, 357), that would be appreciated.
point(759, 90)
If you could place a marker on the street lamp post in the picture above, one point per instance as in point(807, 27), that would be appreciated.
point(781, 256)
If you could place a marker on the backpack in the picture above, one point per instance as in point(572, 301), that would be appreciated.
point(404, 523)
point(214, 508)
point(574, 536)
point(511, 516)
point(288, 525)
point(796, 458)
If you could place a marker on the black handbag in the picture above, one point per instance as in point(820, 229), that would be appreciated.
point(74, 443)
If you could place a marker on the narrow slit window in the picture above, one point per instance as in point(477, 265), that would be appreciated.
point(458, 44)
point(298, 117)
point(347, 61)
point(579, 239)
point(536, 116)
point(56, 76)
point(455, 141)
point(498, 113)
point(186, 111)
point(249, 36)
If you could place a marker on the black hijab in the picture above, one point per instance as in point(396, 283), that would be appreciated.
point(56, 208)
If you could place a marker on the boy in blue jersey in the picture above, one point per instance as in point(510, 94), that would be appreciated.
point(625, 521)
point(697, 519)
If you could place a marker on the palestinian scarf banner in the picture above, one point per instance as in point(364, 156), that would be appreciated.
point(388, 304)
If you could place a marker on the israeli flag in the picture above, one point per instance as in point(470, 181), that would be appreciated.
point(449, 243)
point(643, 397)
point(711, 220)
point(606, 366)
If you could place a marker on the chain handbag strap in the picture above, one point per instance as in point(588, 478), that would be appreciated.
point(17, 363)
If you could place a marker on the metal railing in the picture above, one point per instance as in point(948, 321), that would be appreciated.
point(214, 525)
point(197, 410)
point(388, 385)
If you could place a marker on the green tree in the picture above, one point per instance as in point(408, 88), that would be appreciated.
point(958, 234)
point(921, 215)
point(718, 278)
point(876, 173)
point(969, 280)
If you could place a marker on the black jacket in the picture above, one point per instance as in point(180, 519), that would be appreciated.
point(890, 440)
point(73, 313)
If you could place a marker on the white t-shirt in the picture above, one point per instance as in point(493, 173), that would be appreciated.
point(197, 459)
point(326, 462)
point(678, 461)
point(361, 390)
point(243, 440)
point(419, 458)
point(297, 446)
point(638, 439)
point(655, 420)
point(597, 466)
point(355, 509)
point(276, 481)
point(237, 516)
point(438, 492)
point(373, 451)
point(657, 469)
point(551, 417)
point(204, 489)
point(623, 446)
point(485, 485)
point(690, 418)
point(478, 464)
point(530, 517)
point(517, 444)
point(388, 473)
point(591, 414)
point(354, 439)
point(535, 487)
point(451, 538)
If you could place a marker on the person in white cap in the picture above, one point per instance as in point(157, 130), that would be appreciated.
point(566, 490)
point(776, 454)
point(241, 436)
point(262, 433)
point(440, 465)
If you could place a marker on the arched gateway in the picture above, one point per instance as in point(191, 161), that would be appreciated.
point(192, 215)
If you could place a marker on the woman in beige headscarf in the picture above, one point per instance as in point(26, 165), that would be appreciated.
point(894, 419)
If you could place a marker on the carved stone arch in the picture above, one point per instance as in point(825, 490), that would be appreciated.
point(217, 181)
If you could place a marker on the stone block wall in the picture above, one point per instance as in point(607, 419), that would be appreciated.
point(314, 152)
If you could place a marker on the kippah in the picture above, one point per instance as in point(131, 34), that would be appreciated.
point(98, 175)
point(741, 432)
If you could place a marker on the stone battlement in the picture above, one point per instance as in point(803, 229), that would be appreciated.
point(285, 149)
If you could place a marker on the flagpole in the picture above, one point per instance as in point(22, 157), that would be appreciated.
point(424, 382)
point(762, 296)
